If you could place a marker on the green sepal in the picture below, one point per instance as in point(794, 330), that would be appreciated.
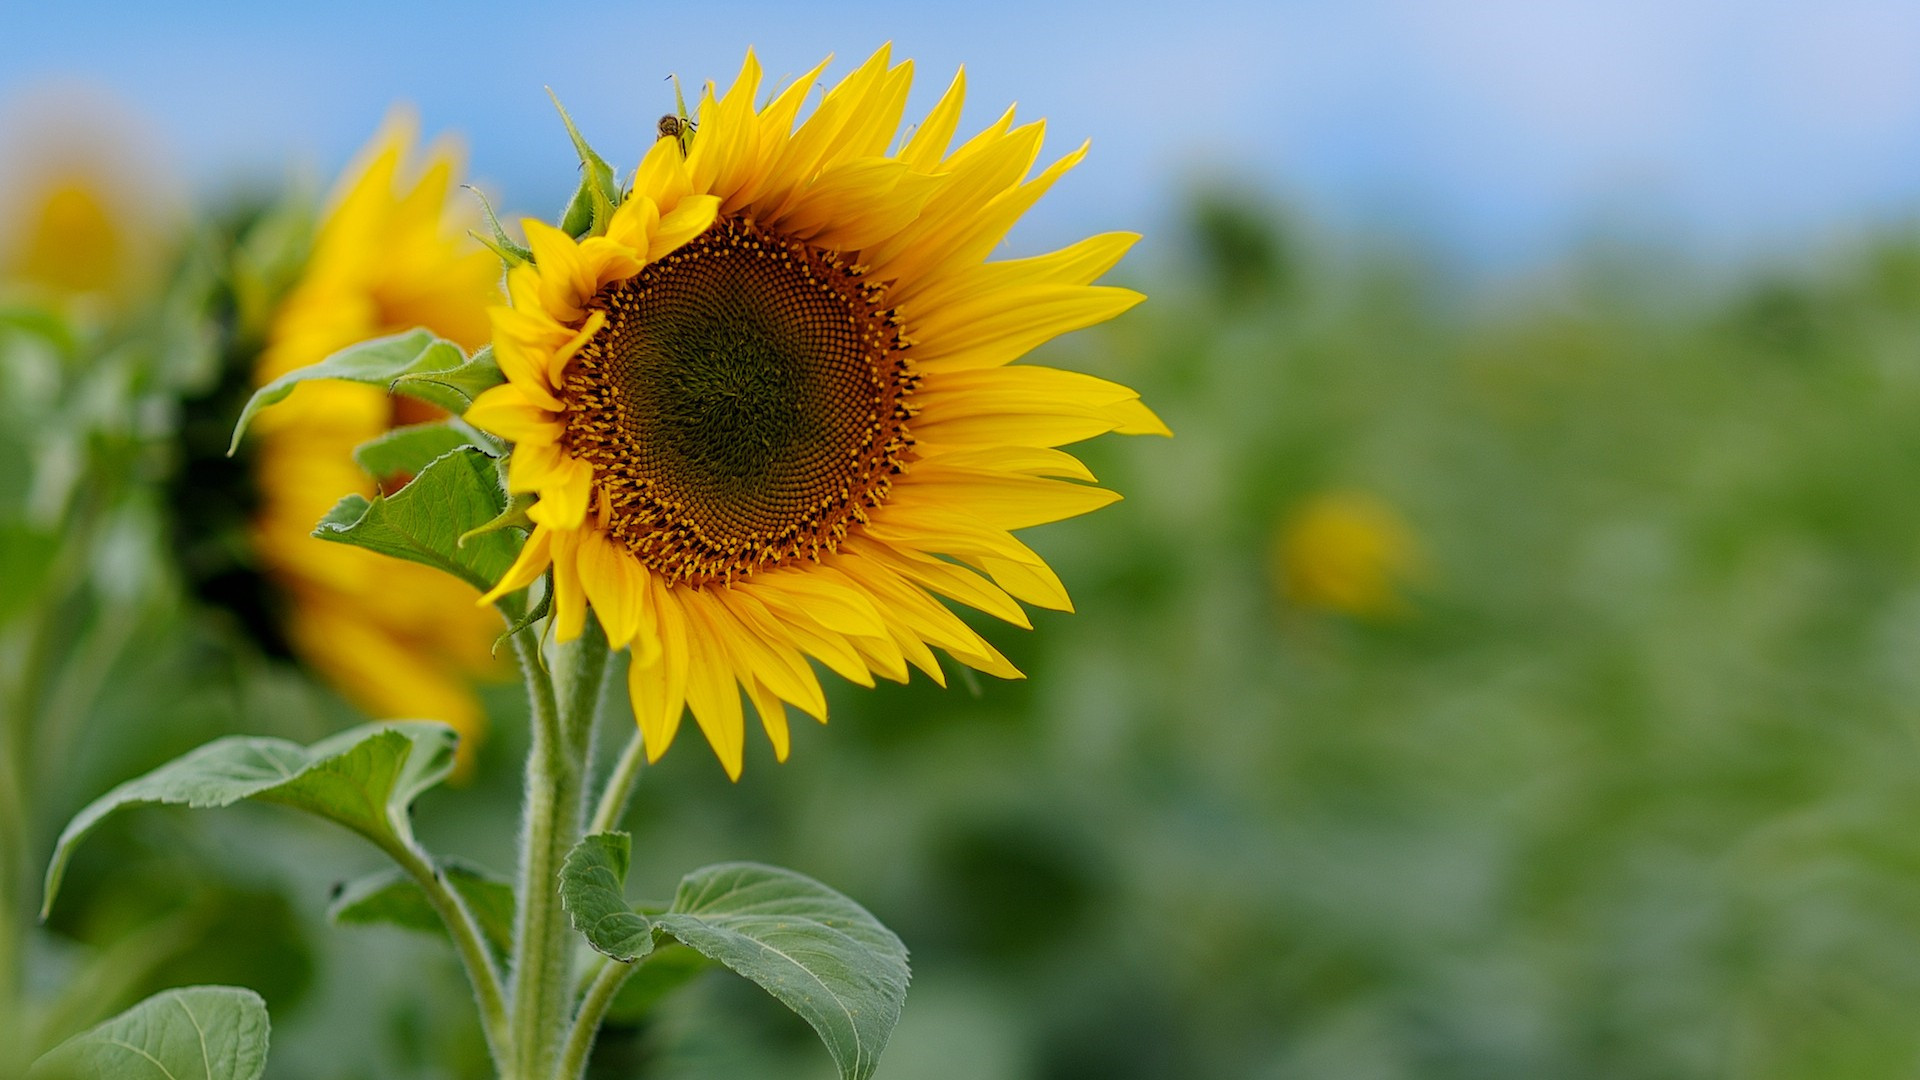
point(499, 243)
point(197, 1032)
point(593, 202)
point(416, 363)
point(364, 778)
point(533, 614)
point(513, 516)
point(392, 898)
point(432, 520)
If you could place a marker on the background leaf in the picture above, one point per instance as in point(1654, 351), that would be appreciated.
point(196, 1033)
point(417, 364)
point(824, 956)
point(593, 890)
point(425, 521)
point(363, 778)
point(390, 897)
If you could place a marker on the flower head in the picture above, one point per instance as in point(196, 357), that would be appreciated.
point(769, 408)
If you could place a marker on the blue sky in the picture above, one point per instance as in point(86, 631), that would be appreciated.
point(1499, 132)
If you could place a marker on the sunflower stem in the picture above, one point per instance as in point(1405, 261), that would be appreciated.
point(564, 704)
point(586, 1022)
point(467, 940)
point(619, 790)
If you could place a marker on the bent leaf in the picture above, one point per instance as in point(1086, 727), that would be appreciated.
point(436, 519)
point(593, 890)
point(824, 956)
point(416, 363)
point(393, 898)
point(196, 1033)
point(404, 451)
point(363, 778)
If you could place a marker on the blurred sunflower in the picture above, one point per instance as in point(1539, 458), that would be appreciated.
point(1348, 552)
point(768, 409)
point(397, 639)
point(84, 205)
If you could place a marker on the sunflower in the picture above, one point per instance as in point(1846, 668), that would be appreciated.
point(1348, 552)
point(85, 204)
point(769, 408)
point(396, 638)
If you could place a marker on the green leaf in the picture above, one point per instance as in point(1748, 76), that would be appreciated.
point(820, 953)
point(599, 192)
point(428, 520)
point(593, 890)
point(453, 388)
point(196, 1033)
point(415, 363)
point(393, 898)
point(363, 778)
point(405, 451)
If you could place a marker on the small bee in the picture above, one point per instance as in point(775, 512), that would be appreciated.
point(677, 125)
point(678, 128)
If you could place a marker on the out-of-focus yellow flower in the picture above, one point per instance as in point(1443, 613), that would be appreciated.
point(1348, 552)
point(398, 639)
point(84, 205)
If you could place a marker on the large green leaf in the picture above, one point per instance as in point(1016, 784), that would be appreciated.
point(820, 953)
point(393, 898)
point(196, 1033)
point(593, 890)
point(428, 520)
point(404, 451)
point(363, 778)
point(416, 363)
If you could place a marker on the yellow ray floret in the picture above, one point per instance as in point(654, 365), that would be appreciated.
point(771, 411)
point(398, 639)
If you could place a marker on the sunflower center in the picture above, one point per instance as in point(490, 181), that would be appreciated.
point(744, 404)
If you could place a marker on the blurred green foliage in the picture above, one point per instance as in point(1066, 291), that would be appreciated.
point(1628, 792)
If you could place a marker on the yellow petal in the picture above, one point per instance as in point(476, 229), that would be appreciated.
point(712, 690)
point(773, 718)
point(505, 411)
point(659, 689)
point(693, 216)
point(614, 582)
point(1002, 328)
point(569, 600)
point(930, 140)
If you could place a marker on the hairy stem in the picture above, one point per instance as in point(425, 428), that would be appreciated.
point(467, 941)
point(564, 704)
point(586, 1023)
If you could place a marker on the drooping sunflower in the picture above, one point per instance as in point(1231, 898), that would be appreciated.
point(770, 409)
point(397, 639)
